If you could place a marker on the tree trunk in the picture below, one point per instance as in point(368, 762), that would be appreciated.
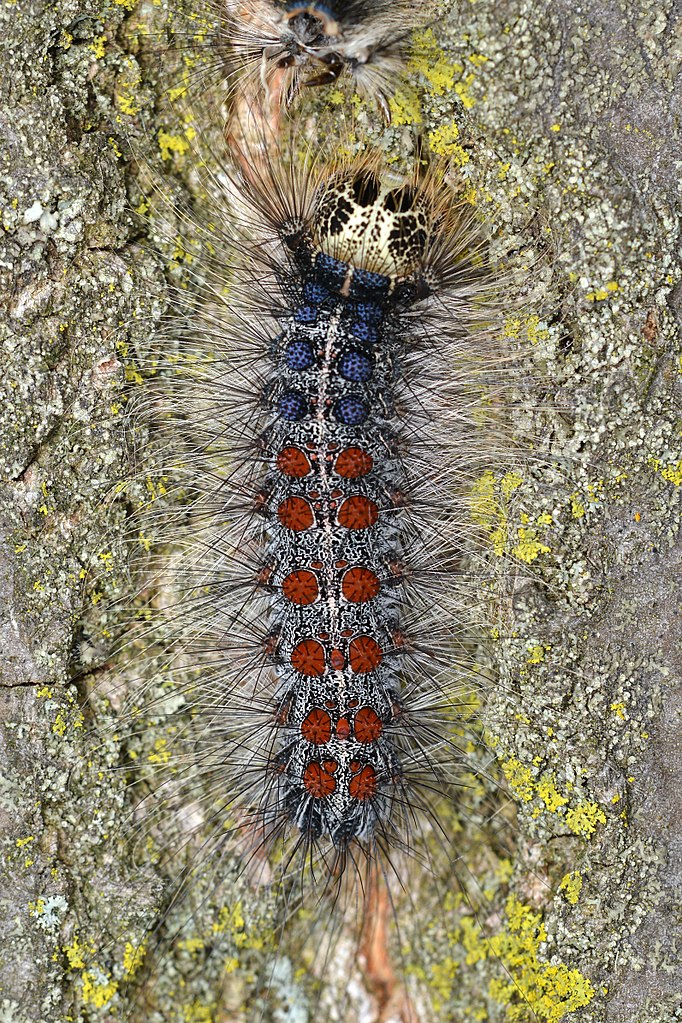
point(564, 120)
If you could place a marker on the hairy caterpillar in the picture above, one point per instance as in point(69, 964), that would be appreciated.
point(340, 387)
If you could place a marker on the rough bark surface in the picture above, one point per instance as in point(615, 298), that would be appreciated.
point(564, 119)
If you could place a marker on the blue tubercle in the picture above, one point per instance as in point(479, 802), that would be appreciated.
point(356, 366)
point(350, 410)
point(299, 355)
point(292, 406)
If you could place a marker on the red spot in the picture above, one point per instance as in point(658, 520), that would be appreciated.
point(317, 781)
point(354, 702)
point(365, 654)
point(368, 725)
point(353, 462)
point(357, 513)
point(271, 643)
point(323, 635)
point(300, 587)
point(336, 494)
point(340, 564)
point(330, 766)
point(282, 715)
point(308, 658)
point(295, 513)
point(337, 660)
point(347, 633)
point(292, 462)
point(359, 585)
point(317, 565)
point(265, 574)
point(317, 727)
point(364, 784)
point(343, 728)
point(400, 640)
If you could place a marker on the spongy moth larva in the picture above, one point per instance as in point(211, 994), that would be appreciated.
point(338, 393)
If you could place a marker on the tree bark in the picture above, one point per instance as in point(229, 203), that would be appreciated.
point(564, 121)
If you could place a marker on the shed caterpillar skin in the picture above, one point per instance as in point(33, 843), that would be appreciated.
point(286, 46)
point(266, 51)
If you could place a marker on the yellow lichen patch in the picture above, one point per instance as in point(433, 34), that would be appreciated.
point(406, 106)
point(133, 957)
point(520, 779)
point(75, 953)
point(161, 754)
point(529, 547)
point(169, 144)
point(548, 991)
point(429, 60)
point(536, 330)
point(584, 818)
point(619, 710)
point(98, 46)
point(571, 885)
point(672, 472)
point(98, 988)
point(549, 794)
point(599, 294)
point(444, 142)
point(577, 507)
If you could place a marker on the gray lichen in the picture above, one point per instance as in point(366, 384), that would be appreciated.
point(563, 122)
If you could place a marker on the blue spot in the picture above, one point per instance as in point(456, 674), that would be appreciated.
point(331, 272)
point(299, 355)
point(365, 282)
point(355, 366)
point(350, 410)
point(364, 332)
point(370, 313)
point(292, 406)
point(305, 314)
point(315, 293)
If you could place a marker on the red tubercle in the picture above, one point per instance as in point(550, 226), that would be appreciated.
point(308, 658)
point(317, 727)
point(352, 463)
point(365, 654)
point(300, 587)
point(318, 782)
point(296, 514)
point(293, 462)
point(360, 585)
point(357, 512)
point(368, 726)
point(364, 784)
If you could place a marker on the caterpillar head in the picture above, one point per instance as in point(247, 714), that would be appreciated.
point(378, 226)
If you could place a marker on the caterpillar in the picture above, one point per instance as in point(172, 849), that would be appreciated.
point(344, 430)
point(335, 394)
